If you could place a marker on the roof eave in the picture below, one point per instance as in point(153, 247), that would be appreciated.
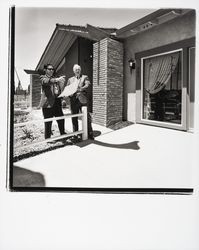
point(89, 32)
point(47, 46)
point(133, 28)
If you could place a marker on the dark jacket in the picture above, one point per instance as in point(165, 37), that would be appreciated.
point(83, 88)
point(48, 91)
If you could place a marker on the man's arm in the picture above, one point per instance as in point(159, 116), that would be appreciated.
point(46, 81)
point(87, 83)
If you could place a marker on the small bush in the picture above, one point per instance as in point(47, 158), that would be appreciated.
point(28, 134)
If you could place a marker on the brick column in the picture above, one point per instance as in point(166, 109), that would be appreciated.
point(107, 82)
point(35, 91)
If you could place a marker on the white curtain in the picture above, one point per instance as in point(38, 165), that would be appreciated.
point(158, 71)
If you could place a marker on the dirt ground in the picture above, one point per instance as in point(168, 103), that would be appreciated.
point(35, 132)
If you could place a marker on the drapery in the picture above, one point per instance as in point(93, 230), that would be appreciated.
point(157, 73)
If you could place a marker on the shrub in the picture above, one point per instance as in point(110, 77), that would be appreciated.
point(28, 134)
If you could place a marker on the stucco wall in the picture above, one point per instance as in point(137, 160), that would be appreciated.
point(86, 63)
point(79, 53)
point(178, 29)
point(71, 59)
point(85, 57)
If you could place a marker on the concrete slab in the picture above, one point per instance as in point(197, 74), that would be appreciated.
point(138, 156)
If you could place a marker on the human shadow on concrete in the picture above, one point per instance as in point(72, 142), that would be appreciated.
point(26, 178)
point(131, 145)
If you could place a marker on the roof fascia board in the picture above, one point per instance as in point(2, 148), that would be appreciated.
point(143, 20)
point(31, 72)
point(97, 33)
point(47, 47)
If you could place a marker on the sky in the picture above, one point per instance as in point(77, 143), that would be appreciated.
point(34, 27)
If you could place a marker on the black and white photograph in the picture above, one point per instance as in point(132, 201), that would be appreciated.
point(99, 125)
point(103, 98)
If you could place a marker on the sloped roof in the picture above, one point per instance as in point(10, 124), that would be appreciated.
point(64, 36)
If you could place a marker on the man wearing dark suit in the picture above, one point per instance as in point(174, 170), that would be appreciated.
point(50, 103)
point(80, 97)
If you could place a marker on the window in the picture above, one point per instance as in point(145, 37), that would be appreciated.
point(162, 87)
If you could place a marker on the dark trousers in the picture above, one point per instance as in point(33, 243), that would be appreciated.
point(76, 108)
point(55, 111)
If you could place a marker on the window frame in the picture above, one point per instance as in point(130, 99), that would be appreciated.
point(184, 45)
point(183, 94)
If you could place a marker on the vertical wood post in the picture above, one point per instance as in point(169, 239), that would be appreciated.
point(84, 123)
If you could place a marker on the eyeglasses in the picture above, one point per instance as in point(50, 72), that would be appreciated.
point(50, 68)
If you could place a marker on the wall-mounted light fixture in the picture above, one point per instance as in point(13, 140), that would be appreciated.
point(132, 63)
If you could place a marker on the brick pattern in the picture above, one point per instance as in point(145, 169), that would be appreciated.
point(107, 82)
point(36, 91)
point(100, 82)
point(114, 82)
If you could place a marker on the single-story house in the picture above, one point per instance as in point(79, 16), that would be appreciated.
point(143, 72)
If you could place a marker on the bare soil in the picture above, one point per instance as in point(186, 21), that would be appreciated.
point(35, 132)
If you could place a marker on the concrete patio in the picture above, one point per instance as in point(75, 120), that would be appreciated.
point(137, 156)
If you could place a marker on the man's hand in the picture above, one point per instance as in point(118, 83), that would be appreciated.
point(61, 79)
